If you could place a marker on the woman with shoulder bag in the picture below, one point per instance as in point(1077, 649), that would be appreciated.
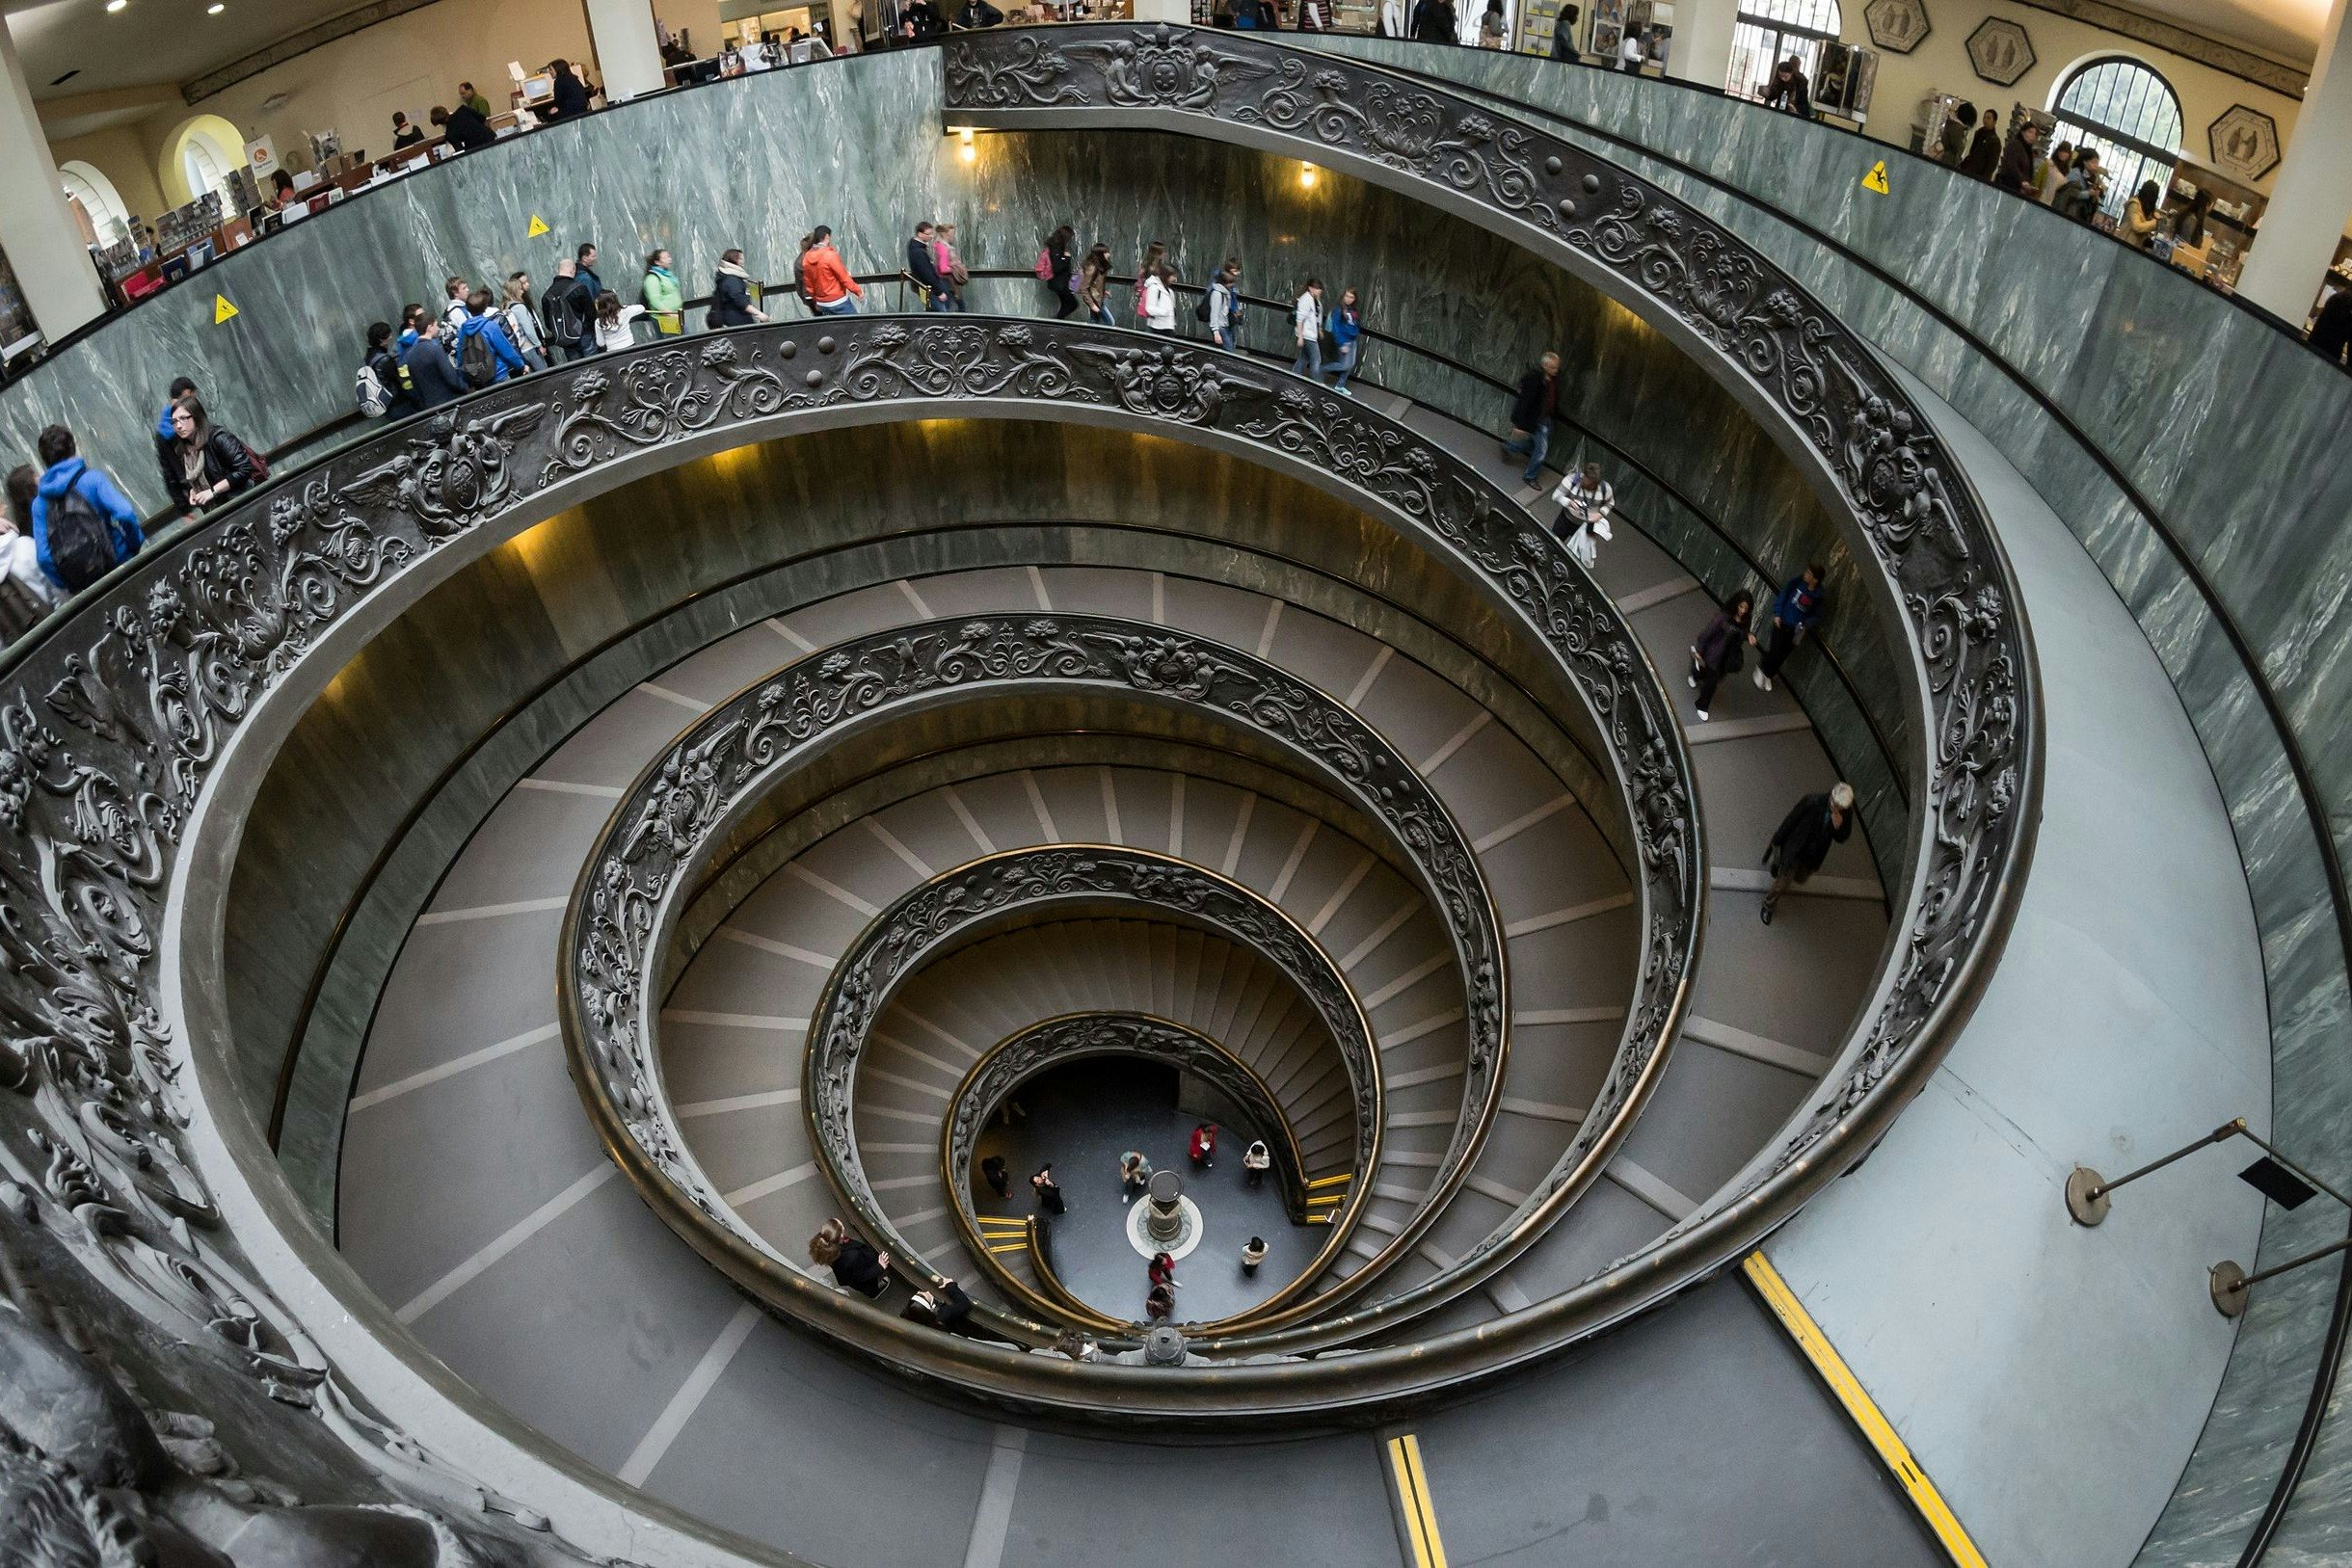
point(1720, 650)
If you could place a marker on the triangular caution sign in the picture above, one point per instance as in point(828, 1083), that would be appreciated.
point(538, 227)
point(222, 309)
point(1875, 180)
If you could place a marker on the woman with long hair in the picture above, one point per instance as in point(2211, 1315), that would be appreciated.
point(1094, 284)
point(612, 319)
point(1054, 271)
point(210, 464)
point(1721, 649)
point(522, 317)
point(1346, 328)
point(2139, 225)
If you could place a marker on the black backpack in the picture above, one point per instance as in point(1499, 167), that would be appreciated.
point(566, 313)
point(1200, 311)
point(19, 611)
point(81, 542)
point(475, 360)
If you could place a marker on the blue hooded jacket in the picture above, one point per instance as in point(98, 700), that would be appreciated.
point(76, 473)
point(501, 347)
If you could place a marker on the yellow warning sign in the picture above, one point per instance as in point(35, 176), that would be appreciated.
point(222, 309)
point(539, 225)
point(1875, 180)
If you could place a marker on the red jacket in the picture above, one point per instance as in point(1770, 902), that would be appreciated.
point(823, 276)
point(1204, 1142)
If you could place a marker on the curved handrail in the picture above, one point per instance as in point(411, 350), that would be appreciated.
point(960, 905)
point(1054, 1042)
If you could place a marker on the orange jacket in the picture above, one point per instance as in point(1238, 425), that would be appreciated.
point(823, 276)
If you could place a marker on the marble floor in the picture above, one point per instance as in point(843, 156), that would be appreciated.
point(1084, 1116)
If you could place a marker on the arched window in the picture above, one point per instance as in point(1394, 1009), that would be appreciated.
point(202, 168)
point(1768, 32)
point(92, 196)
point(2122, 107)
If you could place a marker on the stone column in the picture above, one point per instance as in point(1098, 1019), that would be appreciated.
point(1701, 50)
point(627, 53)
point(1165, 1220)
point(43, 243)
point(2312, 198)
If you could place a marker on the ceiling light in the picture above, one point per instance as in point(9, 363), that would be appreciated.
point(1307, 175)
point(215, 8)
point(968, 152)
point(112, 6)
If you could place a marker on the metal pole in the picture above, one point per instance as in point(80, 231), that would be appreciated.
point(2230, 1282)
point(2087, 1191)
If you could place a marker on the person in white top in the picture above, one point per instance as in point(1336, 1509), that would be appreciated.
point(1306, 327)
point(612, 319)
point(1585, 500)
point(1158, 300)
point(1634, 53)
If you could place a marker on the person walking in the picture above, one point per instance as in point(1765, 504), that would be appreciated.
point(520, 319)
point(998, 1175)
point(1491, 28)
point(2017, 171)
point(922, 266)
point(663, 299)
point(485, 355)
point(1585, 501)
point(1564, 33)
point(381, 390)
point(1252, 1255)
point(1163, 1270)
point(1154, 253)
point(1224, 303)
point(1306, 331)
point(27, 596)
point(1256, 1160)
point(1952, 143)
point(1803, 841)
point(453, 310)
point(1047, 1190)
point(1984, 157)
point(1134, 1174)
point(1159, 300)
point(212, 464)
point(853, 1259)
point(1161, 1305)
point(613, 330)
point(585, 259)
point(1094, 284)
point(1203, 1147)
point(731, 294)
point(426, 371)
point(1794, 615)
point(567, 311)
point(83, 524)
point(1052, 270)
point(1721, 649)
point(825, 282)
point(1531, 415)
point(1347, 325)
point(167, 437)
point(953, 275)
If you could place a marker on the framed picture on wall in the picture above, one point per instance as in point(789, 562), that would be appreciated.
point(1899, 26)
point(2000, 51)
point(1608, 28)
point(2244, 142)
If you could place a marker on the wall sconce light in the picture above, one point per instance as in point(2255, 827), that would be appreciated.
point(1307, 174)
point(967, 151)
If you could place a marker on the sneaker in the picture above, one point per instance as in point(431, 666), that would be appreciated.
point(1702, 715)
point(1768, 912)
point(1757, 676)
point(1342, 391)
point(1691, 681)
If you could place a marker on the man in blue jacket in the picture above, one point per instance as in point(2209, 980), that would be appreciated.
point(1793, 615)
point(503, 357)
point(429, 376)
point(70, 486)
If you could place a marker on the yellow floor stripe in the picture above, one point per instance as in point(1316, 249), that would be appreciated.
point(1413, 1497)
point(1018, 1246)
point(1331, 1180)
point(1941, 1522)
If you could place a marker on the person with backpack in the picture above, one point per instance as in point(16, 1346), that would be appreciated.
point(567, 311)
point(210, 463)
point(485, 355)
point(586, 260)
point(454, 310)
point(426, 371)
point(26, 594)
point(1052, 270)
point(1584, 501)
point(520, 319)
point(378, 392)
point(83, 524)
point(1220, 306)
point(731, 295)
point(825, 282)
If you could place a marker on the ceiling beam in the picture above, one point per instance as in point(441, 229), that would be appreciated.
point(295, 43)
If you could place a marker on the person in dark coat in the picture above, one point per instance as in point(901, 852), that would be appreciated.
point(209, 464)
point(463, 127)
point(428, 373)
point(1531, 415)
point(998, 1175)
point(1720, 650)
point(731, 294)
point(1564, 33)
point(1049, 1191)
point(166, 437)
point(945, 1307)
point(854, 1261)
point(1789, 90)
point(2017, 171)
point(1794, 615)
point(2331, 334)
point(570, 97)
point(1433, 21)
point(922, 266)
point(1804, 838)
point(1984, 157)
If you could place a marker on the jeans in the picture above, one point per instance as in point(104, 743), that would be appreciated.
point(1309, 363)
point(845, 306)
point(941, 301)
point(1534, 443)
point(1101, 314)
point(1345, 366)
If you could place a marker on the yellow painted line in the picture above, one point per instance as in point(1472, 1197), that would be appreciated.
point(1324, 1218)
point(1018, 1246)
point(1413, 1498)
point(1331, 1180)
point(1893, 1453)
point(998, 1222)
point(1326, 1198)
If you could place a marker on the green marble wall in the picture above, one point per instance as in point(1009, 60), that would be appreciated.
point(2232, 435)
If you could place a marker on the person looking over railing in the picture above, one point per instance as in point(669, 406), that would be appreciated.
point(1788, 90)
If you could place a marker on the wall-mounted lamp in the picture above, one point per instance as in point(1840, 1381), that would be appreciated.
point(1307, 175)
point(967, 151)
point(2275, 1177)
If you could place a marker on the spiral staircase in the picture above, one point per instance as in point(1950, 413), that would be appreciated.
point(736, 768)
